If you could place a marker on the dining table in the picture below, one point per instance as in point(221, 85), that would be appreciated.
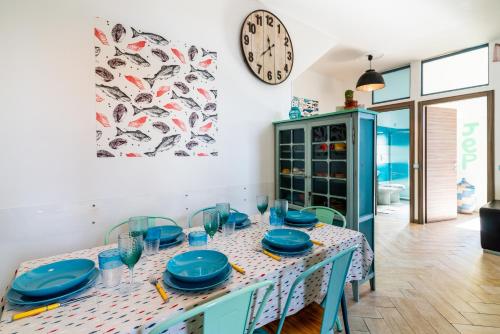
point(109, 310)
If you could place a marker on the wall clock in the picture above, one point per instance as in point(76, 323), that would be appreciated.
point(267, 47)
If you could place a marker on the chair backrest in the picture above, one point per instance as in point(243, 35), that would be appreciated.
point(194, 214)
point(150, 219)
point(327, 215)
point(340, 266)
point(228, 314)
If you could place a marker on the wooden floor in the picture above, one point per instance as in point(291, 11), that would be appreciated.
point(430, 279)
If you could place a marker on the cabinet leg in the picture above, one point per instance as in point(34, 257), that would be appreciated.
point(355, 290)
point(372, 283)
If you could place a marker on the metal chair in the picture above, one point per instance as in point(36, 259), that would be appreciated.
point(327, 215)
point(228, 314)
point(108, 233)
point(191, 216)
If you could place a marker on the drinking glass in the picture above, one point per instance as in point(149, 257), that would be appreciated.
point(211, 219)
point(152, 242)
point(262, 203)
point(130, 246)
point(197, 239)
point(139, 225)
point(229, 227)
point(224, 212)
point(281, 206)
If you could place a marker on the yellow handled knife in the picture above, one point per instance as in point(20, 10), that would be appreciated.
point(318, 243)
point(271, 255)
point(46, 308)
point(237, 268)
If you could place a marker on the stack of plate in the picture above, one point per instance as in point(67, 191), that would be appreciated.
point(53, 282)
point(300, 219)
point(170, 235)
point(286, 241)
point(197, 270)
point(241, 220)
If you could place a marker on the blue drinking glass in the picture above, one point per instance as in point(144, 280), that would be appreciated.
point(198, 239)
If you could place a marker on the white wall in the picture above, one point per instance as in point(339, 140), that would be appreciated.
point(56, 196)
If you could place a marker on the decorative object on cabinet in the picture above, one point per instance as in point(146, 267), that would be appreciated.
point(370, 80)
point(267, 47)
point(308, 107)
point(153, 96)
point(350, 103)
point(294, 113)
point(329, 160)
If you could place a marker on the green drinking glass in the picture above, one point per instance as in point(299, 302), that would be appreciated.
point(211, 219)
point(262, 203)
point(138, 225)
point(224, 211)
point(130, 246)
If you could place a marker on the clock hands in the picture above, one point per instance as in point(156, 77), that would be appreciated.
point(268, 50)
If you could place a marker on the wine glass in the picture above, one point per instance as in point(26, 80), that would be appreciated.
point(211, 219)
point(224, 211)
point(281, 206)
point(130, 247)
point(262, 203)
point(138, 225)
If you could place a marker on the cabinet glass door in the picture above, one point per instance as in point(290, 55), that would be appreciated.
point(292, 166)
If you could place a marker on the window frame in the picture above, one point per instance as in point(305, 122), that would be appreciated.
point(409, 85)
point(473, 48)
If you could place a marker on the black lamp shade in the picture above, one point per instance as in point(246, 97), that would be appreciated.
point(370, 81)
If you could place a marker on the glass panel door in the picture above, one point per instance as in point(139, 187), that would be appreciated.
point(292, 166)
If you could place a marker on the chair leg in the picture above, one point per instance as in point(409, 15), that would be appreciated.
point(343, 305)
point(338, 324)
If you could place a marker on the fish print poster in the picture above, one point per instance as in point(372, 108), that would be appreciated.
point(154, 96)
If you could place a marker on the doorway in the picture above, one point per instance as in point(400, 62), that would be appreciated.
point(456, 154)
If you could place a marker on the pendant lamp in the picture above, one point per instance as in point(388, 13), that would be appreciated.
point(370, 80)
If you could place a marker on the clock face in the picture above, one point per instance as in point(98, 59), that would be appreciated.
point(267, 47)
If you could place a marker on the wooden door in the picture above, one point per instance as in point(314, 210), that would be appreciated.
point(441, 164)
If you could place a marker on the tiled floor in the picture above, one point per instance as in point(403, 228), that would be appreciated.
point(430, 279)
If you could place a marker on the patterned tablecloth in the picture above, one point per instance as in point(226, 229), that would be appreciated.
point(110, 312)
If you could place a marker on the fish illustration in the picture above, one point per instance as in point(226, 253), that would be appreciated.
point(143, 98)
point(165, 72)
point(134, 57)
point(207, 117)
point(136, 134)
point(160, 54)
point(137, 46)
point(101, 36)
point(97, 50)
point(106, 75)
point(115, 62)
point(104, 154)
point(118, 112)
point(98, 134)
point(166, 144)
point(182, 87)
point(180, 124)
point(189, 102)
point(202, 154)
point(152, 111)
point(117, 142)
point(210, 107)
point(117, 32)
point(173, 105)
point(181, 153)
point(162, 90)
point(135, 80)
point(204, 73)
point(133, 155)
point(214, 91)
point(114, 92)
point(138, 122)
point(205, 53)
point(190, 78)
point(204, 93)
point(191, 144)
point(153, 38)
point(179, 55)
point(192, 52)
point(102, 119)
point(98, 98)
point(214, 154)
point(193, 118)
point(206, 127)
point(161, 126)
point(204, 138)
point(205, 63)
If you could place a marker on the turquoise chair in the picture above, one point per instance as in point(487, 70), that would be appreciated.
point(334, 294)
point(106, 237)
point(191, 216)
point(228, 314)
point(327, 215)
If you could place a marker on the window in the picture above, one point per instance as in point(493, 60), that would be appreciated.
point(397, 86)
point(464, 69)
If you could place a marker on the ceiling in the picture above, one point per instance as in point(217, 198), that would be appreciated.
point(400, 31)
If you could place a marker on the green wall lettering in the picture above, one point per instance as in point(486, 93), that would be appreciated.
point(469, 147)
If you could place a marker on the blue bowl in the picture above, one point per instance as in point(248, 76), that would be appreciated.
point(287, 239)
point(197, 265)
point(168, 233)
point(300, 217)
point(54, 278)
point(238, 217)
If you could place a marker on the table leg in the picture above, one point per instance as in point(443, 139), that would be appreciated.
point(355, 290)
point(372, 283)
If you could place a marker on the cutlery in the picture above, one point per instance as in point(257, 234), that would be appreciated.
point(154, 281)
point(319, 225)
point(42, 309)
point(318, 243)
point(237, 268)
point(271, 255)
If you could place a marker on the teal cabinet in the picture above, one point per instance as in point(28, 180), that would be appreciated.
point(329, 160)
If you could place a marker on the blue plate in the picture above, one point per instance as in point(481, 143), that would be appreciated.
point(283, 252)
point(168, 233)
point(172, 282)
point(238, 217)
point(300, 217)
point(176, 242)
point(197, 265)
point(243, 225)
point(287, 239)
point(16, 298)
point(53, 278)
point(302, 225)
